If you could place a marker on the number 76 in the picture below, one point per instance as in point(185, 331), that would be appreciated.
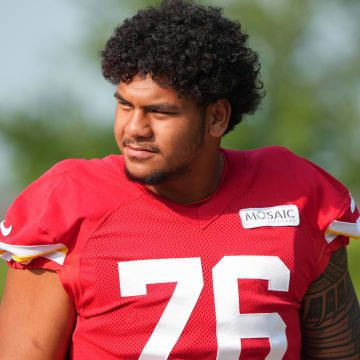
point(231, 325)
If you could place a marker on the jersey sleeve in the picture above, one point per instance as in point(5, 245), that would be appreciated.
point(348, 225)
point(345, 226)
point(334, 214)
point(41, 223)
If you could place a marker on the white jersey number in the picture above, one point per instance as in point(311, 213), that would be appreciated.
point(231, 325)
point(134, 275)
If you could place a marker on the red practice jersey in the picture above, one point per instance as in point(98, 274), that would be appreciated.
point(222, 278)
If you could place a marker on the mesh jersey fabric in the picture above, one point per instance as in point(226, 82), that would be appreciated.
point(135, 261)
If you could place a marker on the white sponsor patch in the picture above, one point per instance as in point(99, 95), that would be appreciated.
point(284, 215)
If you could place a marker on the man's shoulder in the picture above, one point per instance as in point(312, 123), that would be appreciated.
point(82, 173)
point(75, 188)
point(262, 155)
point(92, 179)
point(276, 171)
point(73, 197)
point(280, 163)
point(271, 165)
point(110, 165)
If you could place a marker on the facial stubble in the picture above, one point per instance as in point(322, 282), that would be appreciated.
point(158, 176)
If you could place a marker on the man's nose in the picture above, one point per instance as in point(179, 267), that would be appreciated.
point(138, 125)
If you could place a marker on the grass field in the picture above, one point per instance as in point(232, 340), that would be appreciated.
point(354, 265)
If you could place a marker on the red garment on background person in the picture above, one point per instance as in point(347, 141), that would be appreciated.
point(121, 251)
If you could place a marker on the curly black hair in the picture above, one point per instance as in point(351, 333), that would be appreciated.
point(201, 54)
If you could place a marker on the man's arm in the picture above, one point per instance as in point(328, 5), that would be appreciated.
point(36, 316)
point(330, 314)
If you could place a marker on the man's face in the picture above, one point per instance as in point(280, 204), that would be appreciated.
point(159, 134)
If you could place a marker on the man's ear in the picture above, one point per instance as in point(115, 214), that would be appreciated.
point(218, 114)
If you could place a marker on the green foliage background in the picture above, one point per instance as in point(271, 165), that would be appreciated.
point(311, 107)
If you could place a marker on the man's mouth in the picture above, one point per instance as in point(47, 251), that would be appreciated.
point(139, 151)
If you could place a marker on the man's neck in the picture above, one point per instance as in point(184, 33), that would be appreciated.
point(197, 184)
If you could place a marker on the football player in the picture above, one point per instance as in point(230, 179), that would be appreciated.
point(179, 249)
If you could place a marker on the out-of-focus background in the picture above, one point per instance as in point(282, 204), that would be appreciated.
point(54, 103)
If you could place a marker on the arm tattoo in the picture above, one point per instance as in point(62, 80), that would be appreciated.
point(330, 314)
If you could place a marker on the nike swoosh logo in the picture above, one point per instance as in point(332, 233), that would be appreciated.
point(4, 230)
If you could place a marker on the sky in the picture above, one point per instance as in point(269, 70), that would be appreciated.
point(40, 43)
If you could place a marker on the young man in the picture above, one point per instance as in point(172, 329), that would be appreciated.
point(179, 249)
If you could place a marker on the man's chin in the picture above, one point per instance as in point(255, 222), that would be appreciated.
point(154, 178)
point(157, 177)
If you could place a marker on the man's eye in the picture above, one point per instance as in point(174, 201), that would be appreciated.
point(162, 112)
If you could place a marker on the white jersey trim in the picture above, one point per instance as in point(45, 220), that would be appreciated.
point(352, 204)
point(25, 254)
point(343, 228)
